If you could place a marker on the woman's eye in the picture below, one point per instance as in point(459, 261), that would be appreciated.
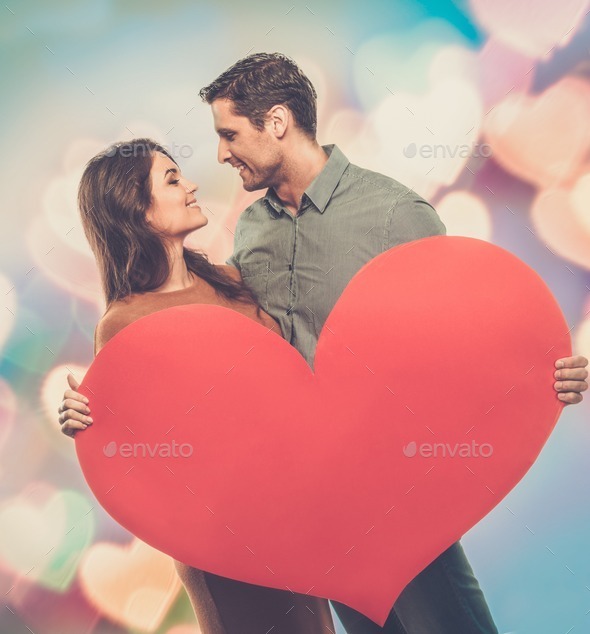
point(175, 182)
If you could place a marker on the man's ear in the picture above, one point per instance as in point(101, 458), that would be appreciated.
point(279, 119)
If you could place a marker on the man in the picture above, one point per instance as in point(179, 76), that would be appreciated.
point(297, 247)
point(320, 220)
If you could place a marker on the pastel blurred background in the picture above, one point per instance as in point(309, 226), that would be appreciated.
point(482, 107)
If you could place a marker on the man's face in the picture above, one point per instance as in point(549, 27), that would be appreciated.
point(254, 153)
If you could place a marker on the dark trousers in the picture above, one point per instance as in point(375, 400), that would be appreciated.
point(445, 598)
point(225, 606)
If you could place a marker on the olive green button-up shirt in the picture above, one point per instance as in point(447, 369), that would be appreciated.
point(299, 265)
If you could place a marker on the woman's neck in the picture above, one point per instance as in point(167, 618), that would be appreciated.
point(180, 277)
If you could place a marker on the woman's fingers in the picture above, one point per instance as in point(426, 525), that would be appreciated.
point(73, 411)
point(71, 427)
point(70, 403)
point(72, 382)
point(75, 395)
point(72, 414)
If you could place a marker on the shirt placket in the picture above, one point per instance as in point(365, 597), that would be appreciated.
point(292, 285)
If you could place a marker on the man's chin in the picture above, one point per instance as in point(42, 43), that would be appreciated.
point(249, 186)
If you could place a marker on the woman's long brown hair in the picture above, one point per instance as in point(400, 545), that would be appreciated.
point(113, 198)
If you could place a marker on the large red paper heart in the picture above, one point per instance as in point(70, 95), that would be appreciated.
point(431, 398)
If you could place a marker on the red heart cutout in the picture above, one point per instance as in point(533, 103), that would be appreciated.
point(432, 396)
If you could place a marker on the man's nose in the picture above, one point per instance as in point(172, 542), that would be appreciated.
point(223, 153)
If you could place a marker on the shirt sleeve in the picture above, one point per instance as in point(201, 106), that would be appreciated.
point(412, 218)
point(234, 258)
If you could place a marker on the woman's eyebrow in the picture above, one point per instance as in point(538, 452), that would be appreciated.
point(172, 170)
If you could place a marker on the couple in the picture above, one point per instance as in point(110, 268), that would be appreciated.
point(296, 248)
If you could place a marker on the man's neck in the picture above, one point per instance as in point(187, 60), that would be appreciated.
point(301, 169)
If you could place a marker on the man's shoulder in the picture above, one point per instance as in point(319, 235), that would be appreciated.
point(253, 214)
point(255, 208)
point(379, 182)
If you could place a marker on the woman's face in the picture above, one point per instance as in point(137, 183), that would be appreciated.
point(174, 210)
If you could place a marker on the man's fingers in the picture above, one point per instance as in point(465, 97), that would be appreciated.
point(577, 374)
point(571, 386)
point(570, 398)
point(578, 361)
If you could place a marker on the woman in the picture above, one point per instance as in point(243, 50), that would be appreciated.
point(136, 210)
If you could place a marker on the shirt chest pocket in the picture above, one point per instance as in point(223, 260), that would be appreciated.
point(255, 275)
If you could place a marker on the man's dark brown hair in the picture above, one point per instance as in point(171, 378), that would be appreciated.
point(260, 81)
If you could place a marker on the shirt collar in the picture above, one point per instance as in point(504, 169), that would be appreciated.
point(321, 188)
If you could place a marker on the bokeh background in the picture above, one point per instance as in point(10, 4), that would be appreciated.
point(482, 107)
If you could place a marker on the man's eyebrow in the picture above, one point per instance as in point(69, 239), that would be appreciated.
point(225, 131)
point(172, 170)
